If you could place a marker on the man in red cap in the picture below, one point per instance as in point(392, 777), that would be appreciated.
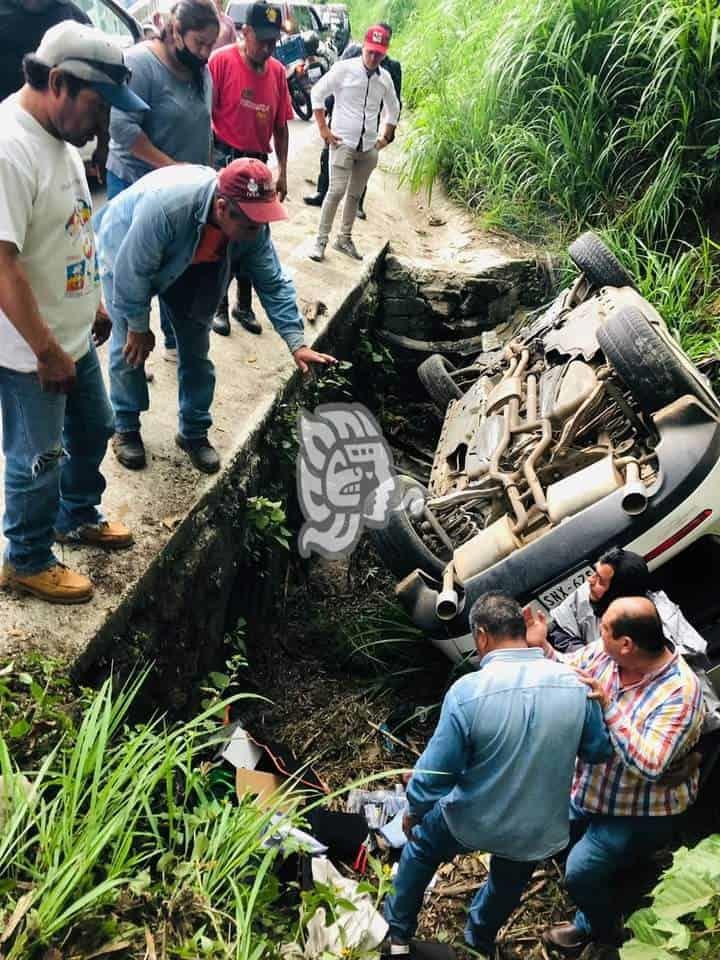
point(169, 233)
point(362, 89)
point(251, 107)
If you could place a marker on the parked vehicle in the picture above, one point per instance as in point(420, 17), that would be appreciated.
point(590, 429)
point(299, 17)
point(336, 21)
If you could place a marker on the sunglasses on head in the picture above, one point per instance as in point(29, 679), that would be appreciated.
point(117, 72)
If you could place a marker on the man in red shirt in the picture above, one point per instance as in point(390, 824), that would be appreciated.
point(251, 107)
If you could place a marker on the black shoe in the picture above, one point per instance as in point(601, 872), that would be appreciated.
point(246, 318)
point(566, 939)
point(314, 200)
point(129, 449)
point(361, 215)
point(202, 453)
point(221, 321)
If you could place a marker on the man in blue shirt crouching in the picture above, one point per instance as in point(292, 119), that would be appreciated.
point(496, 775)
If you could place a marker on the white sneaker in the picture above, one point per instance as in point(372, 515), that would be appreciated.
point(317, 251)
point(170, 354)
point(346, 246)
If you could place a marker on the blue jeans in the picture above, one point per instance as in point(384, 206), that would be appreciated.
point(53, 445)
point(433, 844)
point(116, 185)
point(605, 844)
point(190, 303)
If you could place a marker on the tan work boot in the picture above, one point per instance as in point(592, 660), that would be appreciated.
point(112, 535)
point(56, 585)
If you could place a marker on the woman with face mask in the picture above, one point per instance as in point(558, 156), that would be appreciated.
point(172, 72)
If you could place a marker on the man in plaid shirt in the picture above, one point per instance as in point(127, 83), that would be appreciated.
point(623, 809)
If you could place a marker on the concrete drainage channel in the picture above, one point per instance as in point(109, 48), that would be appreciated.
point(213, 570)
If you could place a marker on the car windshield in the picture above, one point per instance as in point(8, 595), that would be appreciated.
point(106, 19)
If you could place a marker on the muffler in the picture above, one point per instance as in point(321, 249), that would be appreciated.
point(587, 486)
point(448, 603)
point(485, 549)
point(635, 498)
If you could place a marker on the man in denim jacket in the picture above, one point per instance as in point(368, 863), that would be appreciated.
point(495, 776)
point(169, 234)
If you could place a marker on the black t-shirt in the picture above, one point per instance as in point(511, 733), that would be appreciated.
point(21, 33)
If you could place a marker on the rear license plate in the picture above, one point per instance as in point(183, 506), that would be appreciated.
point(558, 592)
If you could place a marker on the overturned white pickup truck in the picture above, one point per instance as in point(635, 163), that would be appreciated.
point(590, 429)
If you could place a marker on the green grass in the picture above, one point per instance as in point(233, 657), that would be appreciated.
point(554, 116)
point(119, 830)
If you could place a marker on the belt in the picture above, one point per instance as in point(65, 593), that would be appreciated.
point(234, 154)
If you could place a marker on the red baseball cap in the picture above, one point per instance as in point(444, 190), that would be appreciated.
point(249, 184)
point(377, 38)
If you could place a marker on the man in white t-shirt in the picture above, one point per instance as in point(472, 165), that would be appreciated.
point(56, 418)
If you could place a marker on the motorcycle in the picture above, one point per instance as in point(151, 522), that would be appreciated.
point(312, 59)
point(299, 84)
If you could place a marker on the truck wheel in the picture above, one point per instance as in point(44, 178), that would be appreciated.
point(599, 264)
point(400, 546)
point(654, 370)
point(435, 375)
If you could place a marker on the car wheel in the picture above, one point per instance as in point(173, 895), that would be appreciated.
point(599, 264)
point(654, 369)
point(400, 545)
point(435, 375)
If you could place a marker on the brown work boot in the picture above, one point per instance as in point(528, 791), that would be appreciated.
point(110, 535)
point(58, 584)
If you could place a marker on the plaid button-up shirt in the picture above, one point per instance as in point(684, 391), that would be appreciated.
point(651, 723)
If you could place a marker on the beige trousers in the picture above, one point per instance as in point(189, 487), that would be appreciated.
point(350, 171)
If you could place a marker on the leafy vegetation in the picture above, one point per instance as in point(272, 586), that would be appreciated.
point(553, 116)
point(119, 835)
point(683, 920)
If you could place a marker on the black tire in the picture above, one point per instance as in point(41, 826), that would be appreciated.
point(599, 264)
point(655, 371)
point(434, 375)
point(400, 546)
point(302, 104)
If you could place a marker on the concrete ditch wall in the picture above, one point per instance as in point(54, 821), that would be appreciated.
point(193, 592)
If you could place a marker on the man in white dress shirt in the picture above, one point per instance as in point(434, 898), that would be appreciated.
point(362, 90)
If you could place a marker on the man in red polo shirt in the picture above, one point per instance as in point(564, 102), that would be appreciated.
point(251, 107)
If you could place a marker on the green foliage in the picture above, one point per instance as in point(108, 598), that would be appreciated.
point(118, 828)
point(265, 525)
point(553, 116)
point(683, 920)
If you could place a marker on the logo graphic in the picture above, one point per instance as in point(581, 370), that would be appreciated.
point(74, 278)
point(377, 36)
point(271, 14)
point(345, 478)
point(253, 188)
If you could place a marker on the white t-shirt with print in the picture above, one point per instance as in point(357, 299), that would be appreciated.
point(45, 210)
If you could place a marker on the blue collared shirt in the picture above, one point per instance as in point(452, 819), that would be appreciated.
point(147, 237)
point(501, 760)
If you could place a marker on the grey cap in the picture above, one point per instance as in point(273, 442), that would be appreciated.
point(86, 53)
